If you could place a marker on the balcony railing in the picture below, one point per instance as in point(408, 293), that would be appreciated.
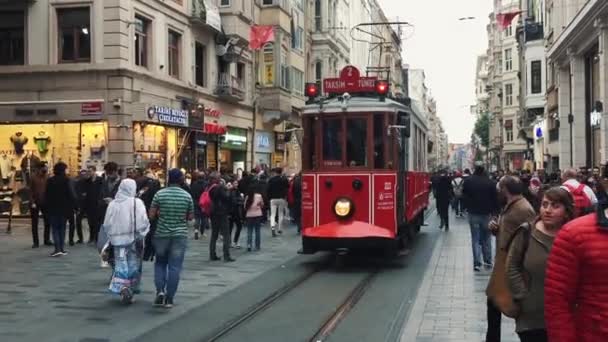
point(553, 134)
point(230, 87)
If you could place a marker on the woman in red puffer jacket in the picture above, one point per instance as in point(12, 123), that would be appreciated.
point(576, 283)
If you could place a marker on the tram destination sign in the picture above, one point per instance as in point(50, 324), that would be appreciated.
point(350, 81)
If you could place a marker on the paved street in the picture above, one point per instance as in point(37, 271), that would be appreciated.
point(65, 299)
point(451, 302)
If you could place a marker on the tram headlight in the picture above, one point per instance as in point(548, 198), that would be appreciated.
point(343, 208)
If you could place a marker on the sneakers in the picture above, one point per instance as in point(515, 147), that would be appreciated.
point(104, 264)
point(160, 299)
point(168, 303)
point(64, 252)
point(237, 246)
point(56, 254)
point(229, 259)
point(196, 234)
point(477, 268)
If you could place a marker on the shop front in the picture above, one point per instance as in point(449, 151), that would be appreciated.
point(43, 134)
point(264, 148)
point(233, 152)
point(280, 151)
point(156, 140)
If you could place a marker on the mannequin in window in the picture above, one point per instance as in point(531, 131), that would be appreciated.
point(19, 140)
point(42, 141)
point(5, 168)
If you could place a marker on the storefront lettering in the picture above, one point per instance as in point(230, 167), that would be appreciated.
point(212, 112)
point(263, 141)
point(168, 115)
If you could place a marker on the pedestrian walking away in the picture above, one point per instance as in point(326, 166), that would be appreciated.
point(457, 186)
point(443, 191)
point(278, 187)
point(480, 197)
point(126, 224)
point(175, 212)
point(60, 204)
point(253, 205)
point(92, 198)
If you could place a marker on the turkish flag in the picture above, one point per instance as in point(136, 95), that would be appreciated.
point(260, 35)
point(503, 20)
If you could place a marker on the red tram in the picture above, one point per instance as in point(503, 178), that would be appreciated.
point(364, 183)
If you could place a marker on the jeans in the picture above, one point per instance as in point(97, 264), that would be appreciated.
point(537, 335)
point(494, 317)
point(277, 205)
point(201, 222)
point(480, 239)
point(219, 225)
point(458, 207)
point(35, 216)
point(238, 221)
point(253, 226)
point(168, 263)
point(58, 223)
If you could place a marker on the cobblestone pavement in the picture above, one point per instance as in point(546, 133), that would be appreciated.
point(451, 303)
point(67, 300)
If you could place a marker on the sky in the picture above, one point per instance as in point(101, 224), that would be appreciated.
point(447, 50)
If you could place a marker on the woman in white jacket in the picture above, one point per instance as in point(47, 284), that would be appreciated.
point(126, 223)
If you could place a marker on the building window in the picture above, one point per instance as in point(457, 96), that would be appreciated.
point(200, 64)
point(319, 72)
point(12, 28)
point(297, 38)
point(509, 94)
point(509, 31)
point(284, 71)
point(318, 21)
point(508, 60)
point(173, 52)
point(297, 80)
point(509, 134)
point(141, 41)
point(536, 73)
point(240, 75)
point(225, 3)
point(74, 34)
point(269, 65)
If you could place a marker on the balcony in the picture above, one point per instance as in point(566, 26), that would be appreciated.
point(553, 134)
point(533, 31)
point(204, 14)
point(230, 88)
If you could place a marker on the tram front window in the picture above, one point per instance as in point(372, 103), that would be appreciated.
point(332, 142)
point(356, 142)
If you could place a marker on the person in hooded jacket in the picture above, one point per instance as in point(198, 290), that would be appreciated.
point(60, 202)
point(198, 186)
point(126, 223)
point(220, 215)
point(237, 215)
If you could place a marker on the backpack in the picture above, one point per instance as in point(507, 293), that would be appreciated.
point(457, 187)
point(582, 203)
point(205, 201)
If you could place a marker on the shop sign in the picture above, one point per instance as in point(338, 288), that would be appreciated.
point(280, 141)
point(264, 142)
point(170, 116)
point(235, 139)
point(213, 112)
point(91, 108)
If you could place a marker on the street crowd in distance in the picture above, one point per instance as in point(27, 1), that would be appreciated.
point(132, 219)
point(549, 271)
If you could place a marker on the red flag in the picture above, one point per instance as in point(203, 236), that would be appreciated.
point(503, 20)
point(260, 35)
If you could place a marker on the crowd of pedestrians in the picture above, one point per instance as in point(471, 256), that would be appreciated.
point(549, 271)
point(132, 219)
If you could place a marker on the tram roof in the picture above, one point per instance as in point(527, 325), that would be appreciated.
point(358, 104)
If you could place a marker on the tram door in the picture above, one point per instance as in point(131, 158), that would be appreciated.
point(401, 141)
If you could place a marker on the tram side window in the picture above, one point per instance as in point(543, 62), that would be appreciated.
point(356, 143)
point(332, 142)
point(309, 158)
point(379, 138)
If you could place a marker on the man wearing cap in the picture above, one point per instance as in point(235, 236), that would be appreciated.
point(174, 209)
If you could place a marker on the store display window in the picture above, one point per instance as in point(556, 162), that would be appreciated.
point(155, 148)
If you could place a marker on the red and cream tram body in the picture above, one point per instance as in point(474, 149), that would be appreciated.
point(364, 180)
